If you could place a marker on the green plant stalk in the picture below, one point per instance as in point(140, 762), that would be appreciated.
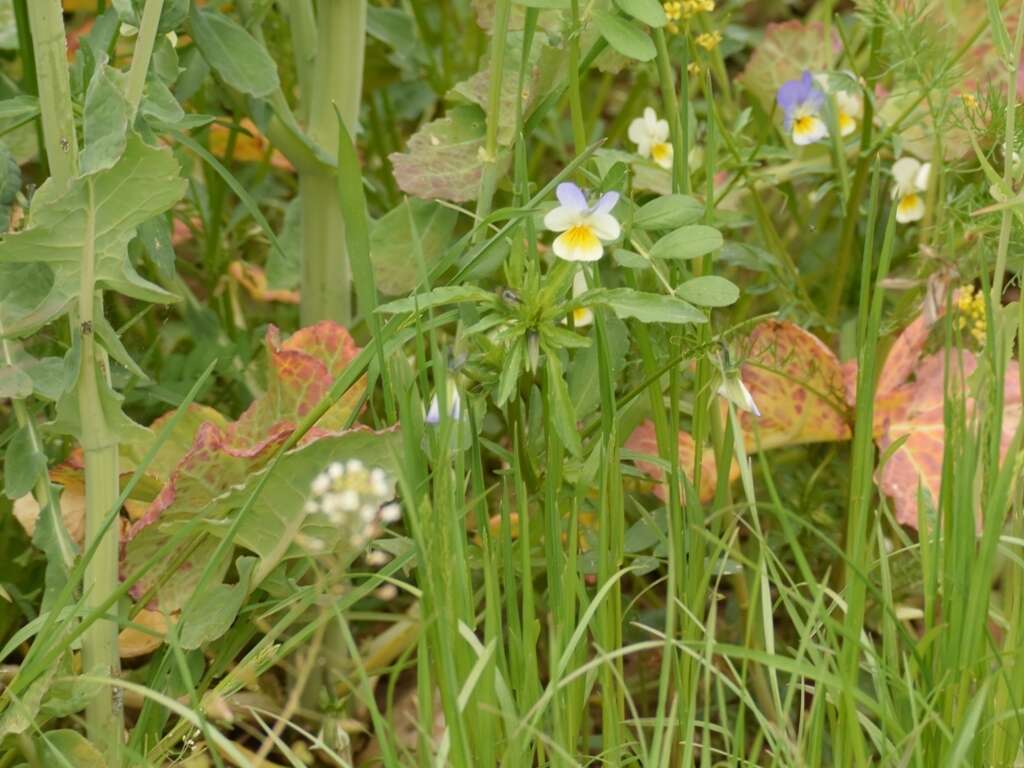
point(143, 52)
point(104, 716)
point(579, 131)
point(337, 80)
point(46, 19)
point(489, 177)
point(680, 142)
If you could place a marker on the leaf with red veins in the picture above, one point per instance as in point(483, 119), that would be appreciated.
point(644, 441)
point(224, 456)
point(797, 383)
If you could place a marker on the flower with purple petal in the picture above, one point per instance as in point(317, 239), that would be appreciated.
point(801, 102)
point(583, 227)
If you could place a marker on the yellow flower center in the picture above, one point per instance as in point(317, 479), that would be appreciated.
point(803, 124)
point(846, 123)
point(909, 203)
point(581, 237)
point(661, 151)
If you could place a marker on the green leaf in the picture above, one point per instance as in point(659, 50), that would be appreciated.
point(709, 291)
point(106, 121)
point(687, 243)
point(172, 14)
point(66, 747)
point(584, 376)
point(221, 458)
point(155, 236)
point(145, 182)
point(23, 464)
point(624, 36)
point(211, 612)
point(452, 294)
point(563, 413)
point(394, 271)
point(648, 11)
point(18, 109)
point(650, 307)
point(511, 369)
point(630, 259)
point(14, 383)
point(233, 53)
point(668, 212)
point(10, 183)
point(442, 160)
point(543, 67)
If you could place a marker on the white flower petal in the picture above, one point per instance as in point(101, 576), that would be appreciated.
point(660, 133)
point(561, 218)
point(904, 173)
point(651, 119)
point(638, 133)
point(571, 196)
point(579, 284)
point(921, 179)
point(604, 225)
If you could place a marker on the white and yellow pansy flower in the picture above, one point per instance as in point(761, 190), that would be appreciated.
point(851, 110)
point(911, 177)
point(801, 102)
point(583, 227)
point(651, 138)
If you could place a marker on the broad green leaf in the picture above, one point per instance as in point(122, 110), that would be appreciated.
point(452, 294)
point(155, 236)
point(66, 747)
point(630, 259)
point(14, 382)
point(442, 159)
point(668, 212)
point(709, 291)
point(584, 376)
point(106, 121)
point(650, 307)
point(159, 104)
point(563, 412)
point(648, 11)
point(543, 68)
point(212, 612)
point(233, 53)
point(394, 271)
point(23, 464)
point(624, 36)
point(18, 109)
point(222, 457)
point(10, 183)
point(46, 255)
point(687, 243)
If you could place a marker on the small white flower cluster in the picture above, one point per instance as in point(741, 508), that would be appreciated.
point(356, 499)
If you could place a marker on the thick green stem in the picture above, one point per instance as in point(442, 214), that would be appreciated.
point(337, 80)
point(104, 717)
point(46, 19)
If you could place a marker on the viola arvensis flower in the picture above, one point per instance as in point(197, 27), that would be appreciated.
point(651, 138)
point(583, 227)
point(433, 416)
point(911, 178)
point(801, 102)
point(581, 316)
